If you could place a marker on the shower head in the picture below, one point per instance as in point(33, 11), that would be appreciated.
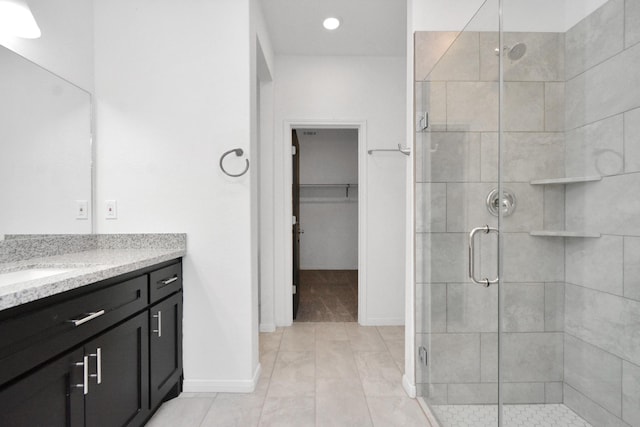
point(517, 51)
point(514, 52)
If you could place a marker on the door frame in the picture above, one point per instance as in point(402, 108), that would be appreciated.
point(295, 229)
point(286, 286)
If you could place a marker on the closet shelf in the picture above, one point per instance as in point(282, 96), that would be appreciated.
point(562, 233)
point(570, 180)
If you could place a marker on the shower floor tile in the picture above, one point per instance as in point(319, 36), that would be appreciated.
point(549, 415)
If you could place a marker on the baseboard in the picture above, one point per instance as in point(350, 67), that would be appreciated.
point(408, 386)
point(384, 321)
point(223, 386)
point(267, 327)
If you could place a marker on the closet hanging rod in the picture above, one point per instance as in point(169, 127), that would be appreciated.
point(328, 185)
point(404, 150)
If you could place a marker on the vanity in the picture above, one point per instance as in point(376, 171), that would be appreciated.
point(97, 339)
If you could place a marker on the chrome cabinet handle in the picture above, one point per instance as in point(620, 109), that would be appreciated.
point(90, 316)
point(85, 376)
point(159, 330)
point(472, 275)
point(98, 374)
point(168, 281)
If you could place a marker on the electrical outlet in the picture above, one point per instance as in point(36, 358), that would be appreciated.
point(82, 209)
point(111, 209)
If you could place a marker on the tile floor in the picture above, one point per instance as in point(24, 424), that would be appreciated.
point(313, 374)
point(547, 415)
point(328, 296)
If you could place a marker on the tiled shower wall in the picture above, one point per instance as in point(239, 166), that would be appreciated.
point(602, 329)
point(456, 169)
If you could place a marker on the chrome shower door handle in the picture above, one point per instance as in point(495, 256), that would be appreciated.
point(472, 274)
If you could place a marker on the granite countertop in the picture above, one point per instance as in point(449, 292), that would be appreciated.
point(85, 266)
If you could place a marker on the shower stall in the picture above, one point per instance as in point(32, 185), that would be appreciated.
point(527, 187)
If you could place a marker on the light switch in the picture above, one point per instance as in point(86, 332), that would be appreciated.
point(111, 209)
point(82, 209)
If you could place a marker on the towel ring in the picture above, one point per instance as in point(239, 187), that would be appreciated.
point(239, 152)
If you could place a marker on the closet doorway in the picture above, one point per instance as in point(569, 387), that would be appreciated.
point(325, 230)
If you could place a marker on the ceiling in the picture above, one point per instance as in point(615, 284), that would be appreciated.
point(369, 27)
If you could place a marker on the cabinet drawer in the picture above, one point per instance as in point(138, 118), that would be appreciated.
point(34, 336)
point(164, 282)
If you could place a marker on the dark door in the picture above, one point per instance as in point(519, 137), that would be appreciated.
point(296, 222)
point(119, 375)
point(48, 397)
point(165, 346)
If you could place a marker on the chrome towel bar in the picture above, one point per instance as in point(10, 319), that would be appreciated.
point(404, 150)
point(239, 152)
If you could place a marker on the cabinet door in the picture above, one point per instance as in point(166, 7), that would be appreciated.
point(166, 346)
point(119, 375)
point(50, 396)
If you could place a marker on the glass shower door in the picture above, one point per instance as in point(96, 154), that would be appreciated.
point(457, 182)
point(532, 153)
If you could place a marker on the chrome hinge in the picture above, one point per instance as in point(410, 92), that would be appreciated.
point(423, 121)
point(294, 220)
point(294, 151)
point(422, 354)
point(295, 289)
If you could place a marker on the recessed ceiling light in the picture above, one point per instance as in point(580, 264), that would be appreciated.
point(331, 23)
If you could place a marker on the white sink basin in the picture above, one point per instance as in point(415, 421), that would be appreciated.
point(30, 274)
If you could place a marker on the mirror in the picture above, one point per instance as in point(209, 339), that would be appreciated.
point(45, 151)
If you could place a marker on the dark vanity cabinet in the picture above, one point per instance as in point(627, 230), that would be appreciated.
point(74, 367)
point(165, 318)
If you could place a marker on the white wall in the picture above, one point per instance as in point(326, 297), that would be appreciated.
point(328, 217)
point(173, 88)
point(261, 77)
point(267, 217)
point(370, 89)
point(66, 44)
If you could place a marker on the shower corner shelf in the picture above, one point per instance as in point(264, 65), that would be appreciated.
point(569, 180)
point(561, 233)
